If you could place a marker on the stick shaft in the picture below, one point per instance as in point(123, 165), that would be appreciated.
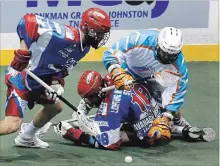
point(41, 82)
point(128, 83)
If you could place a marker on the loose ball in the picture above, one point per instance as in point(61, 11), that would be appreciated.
point(128, 159)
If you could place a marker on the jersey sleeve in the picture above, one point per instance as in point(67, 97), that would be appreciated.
point(115, 54)
point(27, 29)
point(32, 26)
point(173, 96)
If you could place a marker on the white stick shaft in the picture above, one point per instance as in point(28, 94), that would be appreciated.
point(112, 87)
point(40, 81)
point(152, 76)
point(76, 119)
point(108, 88)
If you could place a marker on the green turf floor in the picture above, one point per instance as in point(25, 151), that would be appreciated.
point(201, 108)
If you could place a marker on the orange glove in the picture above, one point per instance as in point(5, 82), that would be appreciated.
point(159, 133)
point(120, 78)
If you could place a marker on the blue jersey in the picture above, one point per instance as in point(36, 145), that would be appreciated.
point(55, 48)
point(136, 53)
point(135, 107)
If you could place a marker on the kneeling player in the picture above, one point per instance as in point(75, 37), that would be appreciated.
point(115, 107)
point(135, 107)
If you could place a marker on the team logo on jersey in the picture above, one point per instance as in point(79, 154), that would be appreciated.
point(70, 63)
point(65, 52)
point(69, 49)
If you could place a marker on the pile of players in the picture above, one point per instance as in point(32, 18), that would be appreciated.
point(147, 112)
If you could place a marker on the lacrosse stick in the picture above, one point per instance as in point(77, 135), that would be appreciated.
point(165, 78)
point(76, 119)
point(85, 124)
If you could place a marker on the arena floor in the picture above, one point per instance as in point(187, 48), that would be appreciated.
point(201, 109)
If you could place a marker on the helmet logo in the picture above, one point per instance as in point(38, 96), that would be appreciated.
point(89, 77)
point(99, 14)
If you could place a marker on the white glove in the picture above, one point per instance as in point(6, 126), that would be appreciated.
point(62, 127)
point(59, 90)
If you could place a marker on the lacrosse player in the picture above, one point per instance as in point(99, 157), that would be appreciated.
point(49, 50)
point(145, 52)
point(135, 107)
point(115, 107)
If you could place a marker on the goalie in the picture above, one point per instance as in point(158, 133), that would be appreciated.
point(135, 107)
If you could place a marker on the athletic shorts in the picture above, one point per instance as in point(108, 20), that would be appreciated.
point(19, 97)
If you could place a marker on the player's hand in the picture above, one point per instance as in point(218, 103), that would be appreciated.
point(159, 133)
point(62, 127)
point(68, 132)
point(20, 60)
point(120, 78)
point(59, 91)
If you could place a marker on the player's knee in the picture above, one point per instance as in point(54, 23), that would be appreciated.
point(11, 124)
point(56, 108)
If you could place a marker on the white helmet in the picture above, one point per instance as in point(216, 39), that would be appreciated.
point(170, 43)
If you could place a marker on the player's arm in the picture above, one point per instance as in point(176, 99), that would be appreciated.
point(27, 29)
point(79, 137)
point(114, 57)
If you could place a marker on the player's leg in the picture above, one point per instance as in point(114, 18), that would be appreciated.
point(179, 120)
point(16, 103)
point(47, 113)
point(28, 135)
point(109, 138)
point(194, 133)
point(10, 125)
point(13, 116)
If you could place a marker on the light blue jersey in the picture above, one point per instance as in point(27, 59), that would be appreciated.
point(136, 53)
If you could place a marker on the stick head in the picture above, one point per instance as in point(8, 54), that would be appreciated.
point(167, 77)
point(87, 125)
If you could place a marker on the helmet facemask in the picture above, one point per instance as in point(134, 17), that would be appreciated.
point(96, 39)
point(166, 58)
point(94, 99)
